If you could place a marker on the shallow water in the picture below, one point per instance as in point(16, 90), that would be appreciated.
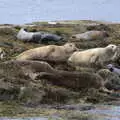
point(34, 118)
point(107, 112)
point(102, 112)
point(29, 118)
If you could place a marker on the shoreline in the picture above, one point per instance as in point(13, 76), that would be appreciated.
point(83, 22)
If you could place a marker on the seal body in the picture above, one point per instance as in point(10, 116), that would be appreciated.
point(93, 56)
point(90, 35)
point(46, 37)
point(50, 52)
point(37, 37)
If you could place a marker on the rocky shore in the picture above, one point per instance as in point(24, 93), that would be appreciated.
point(62, 92)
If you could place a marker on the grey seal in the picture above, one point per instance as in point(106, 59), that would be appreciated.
point(37, 37)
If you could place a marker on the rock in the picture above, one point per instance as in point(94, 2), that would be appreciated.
point(31, 95)
point(99, 27)
point(58, 94)
point(7, 31)
point(79, 107)
point(16, 75)
point(74, 80)
point(42, 70)
point(85, 69)
point(112, 80)
point(16, 85)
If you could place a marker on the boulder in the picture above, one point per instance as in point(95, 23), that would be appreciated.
point(35, 82)
point(112, 80)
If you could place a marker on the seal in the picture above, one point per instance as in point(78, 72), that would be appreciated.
point(94, 56)
point(37, 37)
point(90, 35)
point(49, 52)
point(47, 37)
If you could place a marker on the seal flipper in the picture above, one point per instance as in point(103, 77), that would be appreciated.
point(94, 60)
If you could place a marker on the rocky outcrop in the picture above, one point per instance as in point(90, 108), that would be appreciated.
point(34, 82)
point(39, 82)
point(112, 80)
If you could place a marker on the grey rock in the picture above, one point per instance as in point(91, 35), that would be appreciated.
point(112, 80)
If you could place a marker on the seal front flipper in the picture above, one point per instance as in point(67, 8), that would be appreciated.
point(94, 60)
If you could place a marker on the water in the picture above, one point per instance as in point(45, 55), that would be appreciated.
point(27, 11)
point(102, 112)
point(31, 118)
point(107, 112)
